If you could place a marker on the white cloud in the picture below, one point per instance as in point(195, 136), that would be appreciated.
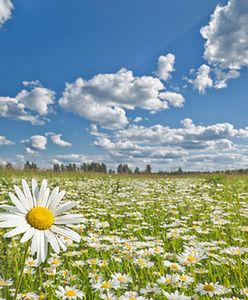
point(12, 108)
point(35, 143)
point(174, 147)
point(104, 98)
point(38, 99)
point(222, 77)
point(203, 79)
point(4, 141)
point(226, 46)
point(227, 36)
point(137, 119)
point(165, 66)
point(27, 104)
point(6, 7)
point(174, 99)
point(56, 139)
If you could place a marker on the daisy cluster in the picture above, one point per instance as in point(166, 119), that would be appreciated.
point(129, 238)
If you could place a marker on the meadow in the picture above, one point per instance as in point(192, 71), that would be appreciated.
point(141, 238)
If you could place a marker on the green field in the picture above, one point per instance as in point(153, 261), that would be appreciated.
point(141, 238)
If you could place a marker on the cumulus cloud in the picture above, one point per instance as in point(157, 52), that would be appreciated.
point(202, 79)
point(30, 106)
point(6, 8)
point(226, 46)
point(38, 99)
point(163, 145)
point(174, 99)
point(4, 141)
point(35, 143)
point(56, 139)
point(104, 98)
point(165, 66)
point(227, 35)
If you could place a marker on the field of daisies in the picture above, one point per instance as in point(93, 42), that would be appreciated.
point(123, 238)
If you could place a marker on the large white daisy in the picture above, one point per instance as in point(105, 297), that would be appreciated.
point(38, 214)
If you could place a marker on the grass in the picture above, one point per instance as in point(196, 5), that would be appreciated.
point(138, 226)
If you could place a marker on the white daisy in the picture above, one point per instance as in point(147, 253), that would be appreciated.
point(38, 216)
point(69, 293)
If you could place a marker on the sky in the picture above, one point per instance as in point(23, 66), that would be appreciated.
point(137, 81)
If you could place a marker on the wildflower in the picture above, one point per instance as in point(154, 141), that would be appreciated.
point(69, 293)
point(120, 280)
point(210, 289)
point(38, 216)
point(176, 296)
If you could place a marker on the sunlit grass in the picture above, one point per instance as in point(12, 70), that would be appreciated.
point(137, 226)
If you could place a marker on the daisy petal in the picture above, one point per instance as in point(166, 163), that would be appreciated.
point(64, 207)
point(52, 240)
point(27, 235)
point(42, 192)
point(18, 203)
point(22, 198)
point(12, 209)
point(66, 232)
point(57, 200)
point(17, 230)
point(35, 191)
point(27, 193)
point(68, 219)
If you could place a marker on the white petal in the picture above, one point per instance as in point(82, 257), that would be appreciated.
point(12, 209)
point(68, 219)
point(35, 191)
point(42, 192)
point(57, 200)
point(10, 216)
point(61, 244)
point(17, 230)
point(28, 235)
point(53, 196)
point(12, 223)
point(43, 245)
point(66, 232)
point(21, 197)
point(27, 193)
point(18, 203)
point(53, 240)
point(34, 244)
point(45, 198)
point(64, 207)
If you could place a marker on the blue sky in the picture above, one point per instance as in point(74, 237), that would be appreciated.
point(159, 82)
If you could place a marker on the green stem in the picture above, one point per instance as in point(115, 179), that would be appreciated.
point(22, 269)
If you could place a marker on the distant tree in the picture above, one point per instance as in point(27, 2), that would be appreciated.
point(56, 167)
point(120, 169)
point(9, 166)
point(179, 171)
point(136, 171)
point(30, 166)
point(148, 169)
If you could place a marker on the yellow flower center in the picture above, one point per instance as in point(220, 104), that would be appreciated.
point(70, 293)
point(191, 259)
point(2, 282)
point(121, 279)
point(208, 288)
point(105, 285)
point(174, 266)
point(183, 278)
point(132, 298)
point(56, 262)
point(40, 218)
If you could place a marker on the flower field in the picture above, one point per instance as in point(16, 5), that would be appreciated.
point(141, 238)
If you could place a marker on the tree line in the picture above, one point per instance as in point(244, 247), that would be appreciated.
point(121, 169)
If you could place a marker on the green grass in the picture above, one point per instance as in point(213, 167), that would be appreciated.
point(129, 218)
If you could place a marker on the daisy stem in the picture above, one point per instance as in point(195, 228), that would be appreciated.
point(22, 269)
